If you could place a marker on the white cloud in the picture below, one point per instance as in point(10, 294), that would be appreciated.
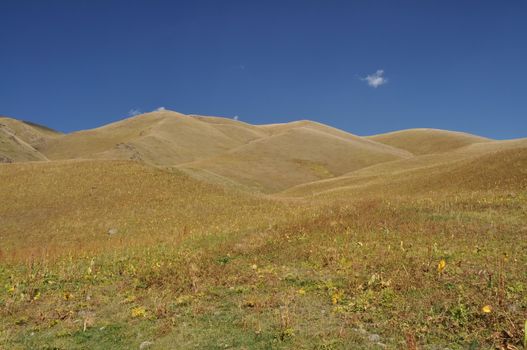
point(376, 79)
point(133, 112)
point(159, 109)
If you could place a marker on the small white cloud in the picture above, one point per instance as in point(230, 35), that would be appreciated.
point(159, 109)
point(133, 112)
point(376, 79)
point(235, 117)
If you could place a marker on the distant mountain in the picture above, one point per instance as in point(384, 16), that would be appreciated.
point(301, 157)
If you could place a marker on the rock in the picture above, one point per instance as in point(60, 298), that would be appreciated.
point(374, 338)
point(145, 345)
point(112, 231)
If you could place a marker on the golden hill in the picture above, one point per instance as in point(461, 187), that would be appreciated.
point(293, 157)
point(501, 168)
point(296, 154)
point(268, 158)
point(159, 138)
point(427, 141)
point(107, 253)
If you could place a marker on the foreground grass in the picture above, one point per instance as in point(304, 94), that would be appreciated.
point(415, 272)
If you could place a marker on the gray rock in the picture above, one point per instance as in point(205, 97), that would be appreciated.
point(112, 231)
point(145, 345)
point(374, 338)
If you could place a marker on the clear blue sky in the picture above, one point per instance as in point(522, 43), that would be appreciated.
point(450, 64)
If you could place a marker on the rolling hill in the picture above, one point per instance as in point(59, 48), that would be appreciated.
point(159, 138)
point(427, 141)
point(500, 165)
point(267, 158)
point(296, 158)
point(294, 155)
point(208, 232)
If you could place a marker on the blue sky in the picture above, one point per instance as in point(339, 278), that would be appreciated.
point(451, 64)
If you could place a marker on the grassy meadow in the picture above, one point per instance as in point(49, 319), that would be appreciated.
point(195, 266)
point(172, 231)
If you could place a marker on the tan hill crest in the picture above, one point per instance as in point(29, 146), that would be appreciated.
point(301, 157)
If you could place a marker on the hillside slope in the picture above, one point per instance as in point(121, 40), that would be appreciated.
point(33, 134)
point(294, 155)
point(13, 149)
point(501, 169)
point(119, 254)
point(60, 206)
point(20, 141)
point(159, 138)
point(268, 158)
point(264, 158)
point(427, 141)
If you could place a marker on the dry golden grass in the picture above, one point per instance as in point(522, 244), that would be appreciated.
point(421, 252)
point(54, 208)
point(226, 150)
point(500, 170)
point(295, 155)
point(428, 141)
point(331, 275)
point(159, 138)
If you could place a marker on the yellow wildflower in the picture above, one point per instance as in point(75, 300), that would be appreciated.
point(441, 265)
point(138, 311)
point(336, 297)
point(487, 309)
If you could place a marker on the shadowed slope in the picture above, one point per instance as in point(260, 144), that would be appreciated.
point(20, 141)
point(427, 141)
point(13, 149)
point(33, 134)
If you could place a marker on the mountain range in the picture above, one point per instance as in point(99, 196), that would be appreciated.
point(297, 158)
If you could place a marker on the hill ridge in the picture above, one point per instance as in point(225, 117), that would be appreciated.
point(267, 158)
